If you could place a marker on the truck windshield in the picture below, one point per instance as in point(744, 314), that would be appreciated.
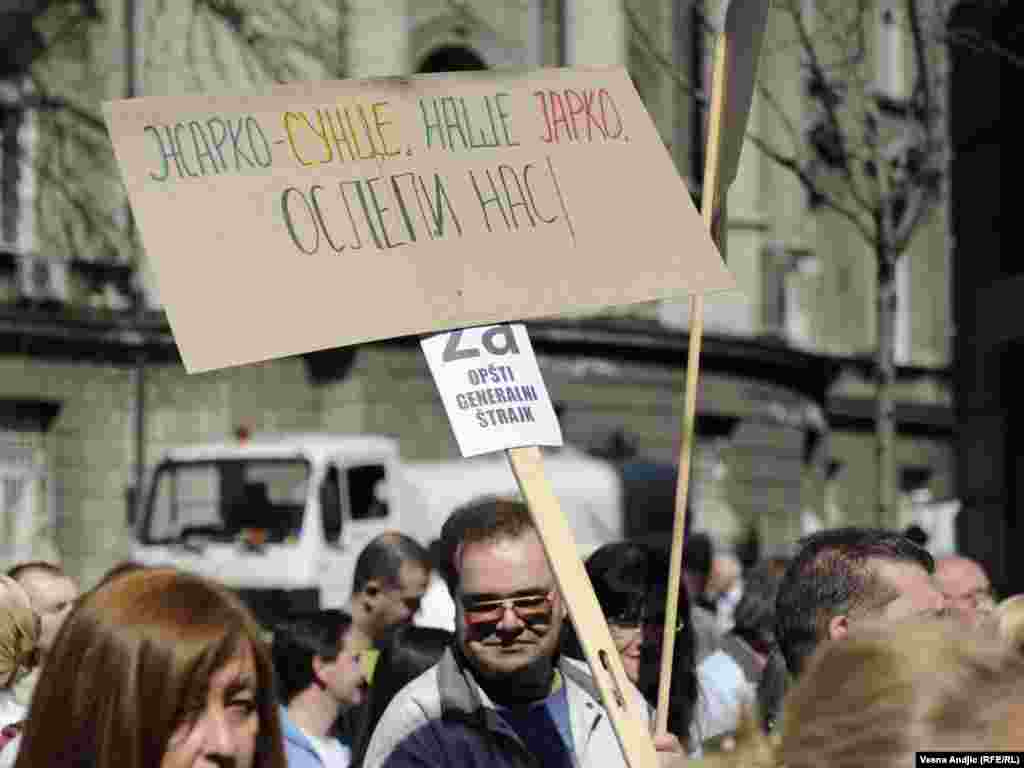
point(219, 500)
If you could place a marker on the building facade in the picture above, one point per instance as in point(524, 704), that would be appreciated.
point(91, 390)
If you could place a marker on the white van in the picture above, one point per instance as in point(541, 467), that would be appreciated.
point(282, 519)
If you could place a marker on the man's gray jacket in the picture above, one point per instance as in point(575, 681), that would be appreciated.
point(443, 718)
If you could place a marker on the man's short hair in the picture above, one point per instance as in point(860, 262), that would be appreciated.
point(830, 576)
point(382, 559)
point(754, 617)
point(698, 553)
point(298, 641)
point(489, 518)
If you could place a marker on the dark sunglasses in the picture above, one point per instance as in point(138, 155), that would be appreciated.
point(529, 609)
point(652, 629)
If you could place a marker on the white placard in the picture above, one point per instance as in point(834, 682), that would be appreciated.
point(492, 389)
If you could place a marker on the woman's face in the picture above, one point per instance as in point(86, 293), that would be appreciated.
point(221, 730)
point(635, 637)
point(628, 637)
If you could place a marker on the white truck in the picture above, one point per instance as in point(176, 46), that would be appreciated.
point(281, 519)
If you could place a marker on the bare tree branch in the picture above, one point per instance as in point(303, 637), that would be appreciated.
point(190, 50)
point(853, 76)
point(921, 97)
point(71, 29)
point(666, 65)
point(210, 31)
point(769, 97)
point(95, 221)
point(44, 101)
point(819, 78)
point(968, 38)
point(226, 40)
point(813, 187)
point(919, 206)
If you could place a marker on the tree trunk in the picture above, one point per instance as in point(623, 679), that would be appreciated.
point(885, 376)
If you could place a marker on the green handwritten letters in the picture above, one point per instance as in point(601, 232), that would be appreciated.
point(337, 211)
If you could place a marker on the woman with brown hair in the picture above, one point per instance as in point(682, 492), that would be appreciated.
point(629, 580)
point(155, 668)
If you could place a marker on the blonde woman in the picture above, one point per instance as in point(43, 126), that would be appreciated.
point(879, 695)
point(19, 638)
point(1010, 622)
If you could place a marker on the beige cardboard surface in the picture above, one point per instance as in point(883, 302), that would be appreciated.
point(322, 214)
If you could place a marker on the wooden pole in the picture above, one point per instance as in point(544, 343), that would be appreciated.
point(709, 199)
point(584, 610)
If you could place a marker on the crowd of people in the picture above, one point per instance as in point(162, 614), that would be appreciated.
point(858, 648)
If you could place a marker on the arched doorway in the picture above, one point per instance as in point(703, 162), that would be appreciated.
point(451, 58)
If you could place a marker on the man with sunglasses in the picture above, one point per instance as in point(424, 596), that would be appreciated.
point(501, 697)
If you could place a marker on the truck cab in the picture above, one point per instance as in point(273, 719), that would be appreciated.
point(281, 519)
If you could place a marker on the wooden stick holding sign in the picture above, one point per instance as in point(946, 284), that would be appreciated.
point(584, 610)
point(735, 66)
point(492, 390)
point(689, 405)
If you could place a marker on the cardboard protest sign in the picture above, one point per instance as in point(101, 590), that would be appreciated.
point(315, 215)
point(492, 389)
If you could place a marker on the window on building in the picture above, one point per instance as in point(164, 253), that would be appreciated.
point(901, 344)
point(17, 180)
point(890, 85)
point(789, 279)
point(19, 474)
point(889, 67)
point(29, 519)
